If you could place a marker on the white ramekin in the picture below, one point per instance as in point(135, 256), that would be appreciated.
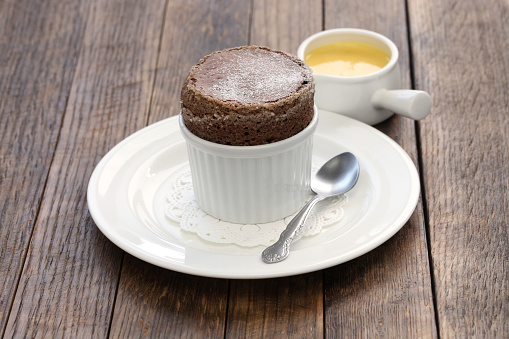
point(251, 184)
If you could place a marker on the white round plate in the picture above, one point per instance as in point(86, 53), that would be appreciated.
point(126, 198)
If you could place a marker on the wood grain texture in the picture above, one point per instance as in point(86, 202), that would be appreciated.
point(284, 24)
point(159, 303)
point(39, 46)
point(290, 307)
point(387, 292)
point(461, 57)
point(193, 29)
point(68, 283)
point(293, 306)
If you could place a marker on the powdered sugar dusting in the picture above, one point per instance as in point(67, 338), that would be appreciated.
point(253, 75)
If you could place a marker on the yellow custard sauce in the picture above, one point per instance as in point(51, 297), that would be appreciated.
point(347, 58)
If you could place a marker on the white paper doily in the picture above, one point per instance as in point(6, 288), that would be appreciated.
point(183, 209)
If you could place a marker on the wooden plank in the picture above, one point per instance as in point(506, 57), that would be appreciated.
point(192, 30)
point(293, 306)
point(158, 303)
point(283, 25)
point(39, 47)
point(161, 303)
point(387, 292)
point(461, 57)
point(68, 284)
point(290, 307)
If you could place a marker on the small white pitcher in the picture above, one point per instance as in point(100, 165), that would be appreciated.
point(370, 98)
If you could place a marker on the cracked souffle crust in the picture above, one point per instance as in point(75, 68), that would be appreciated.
point(248, 96)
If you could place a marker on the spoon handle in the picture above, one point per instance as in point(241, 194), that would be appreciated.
point(280, 250)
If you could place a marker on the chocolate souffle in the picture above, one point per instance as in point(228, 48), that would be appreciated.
point(248, 96)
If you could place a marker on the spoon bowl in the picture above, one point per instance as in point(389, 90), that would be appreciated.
point(337, 176)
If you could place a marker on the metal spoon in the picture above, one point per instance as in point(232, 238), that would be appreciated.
point(337, 176)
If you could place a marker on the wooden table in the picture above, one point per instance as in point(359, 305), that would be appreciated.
point(77, 77)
